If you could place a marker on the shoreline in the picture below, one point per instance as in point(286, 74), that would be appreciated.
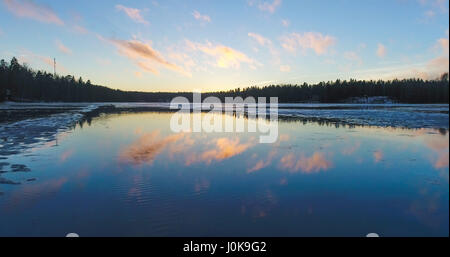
point(29, 124)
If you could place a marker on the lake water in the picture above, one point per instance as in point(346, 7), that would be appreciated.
point(129, 175)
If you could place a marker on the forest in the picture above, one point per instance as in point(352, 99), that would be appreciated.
point(18, 82)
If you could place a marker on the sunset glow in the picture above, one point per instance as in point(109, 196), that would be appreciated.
point(216, 45)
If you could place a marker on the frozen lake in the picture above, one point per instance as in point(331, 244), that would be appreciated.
point(335, 170)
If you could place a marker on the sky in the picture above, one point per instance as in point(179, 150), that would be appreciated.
point(210, 45)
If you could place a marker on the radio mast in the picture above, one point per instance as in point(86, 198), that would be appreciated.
point(54, 67)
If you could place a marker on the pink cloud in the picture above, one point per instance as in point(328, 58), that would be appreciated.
point(225, 57)
point(145, 149)
point(132, 13)
point(310, 40)
point(31, 10)
point(285, 68)
point(442, 161)
point(147, 67)
point(381, 50)
point(30, 57)
point(260, 39)
point(80, 29)
point(145, 56)
point(443, 43)
point(440, 148)
point(270, 6)
point(431, 69)
point(182, 58)
point(62, 48)
point(201, 17)
point(65, 155)
point(315, 163)
point(378, 156)
point(265, 42)
point(224, 148)
point(430, 14)
point(260, 164)
point(440, 5)
point(438, 65)
point(285, 23)
point(351, 149)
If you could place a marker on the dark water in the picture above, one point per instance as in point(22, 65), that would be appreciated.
point(129, 175)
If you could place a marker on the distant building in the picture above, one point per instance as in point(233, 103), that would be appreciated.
point(370, 100)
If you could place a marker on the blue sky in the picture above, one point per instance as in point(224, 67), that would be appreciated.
point(175, 45)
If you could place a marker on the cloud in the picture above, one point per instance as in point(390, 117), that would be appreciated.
point(309, 40)
point(285, 23)
point(147, 148)
point(259, 165)
point(265, 42)
point(80, 29)
point(443, 43)
point(36, 192)
point(442, 161)
point(440, 148)
point(181, 147)
point(147, 67)
point(262, 163)
point(201, 17)
point(381, 50)
point(440, 5)
point(378, 156)
point(133, 13)
point(349, 150)
point(285, 68)
point(30, 57)
point(224, 148)
point(431, 69)
point(430, 14)
point(182, 58)
point(62, 48)
point(145, 56)
point(438, 65)
point(428, 70)
point(31, 10)
point(270, 6)
point(225, 57)
point(260, 39)
point(315, 163)
point(353, 56)
point(66, 155)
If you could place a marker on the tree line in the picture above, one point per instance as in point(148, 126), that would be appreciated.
point(18, 82)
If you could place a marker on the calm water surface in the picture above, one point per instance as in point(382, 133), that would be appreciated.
point(129, 175)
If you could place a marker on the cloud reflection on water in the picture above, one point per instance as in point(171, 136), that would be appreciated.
point(222, 148)
point(314, 163)
point(147, 147)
